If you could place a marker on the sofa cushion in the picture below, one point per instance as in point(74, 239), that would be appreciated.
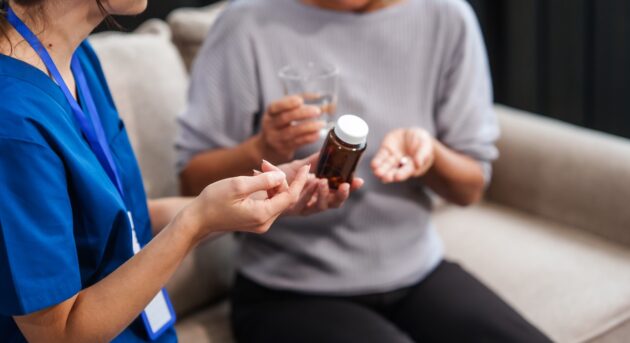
point(148, 83)
point(618, 334)
point(563, 172)
point(570, 283)
point(190, 27)
point(204, 277)
point(212, 325)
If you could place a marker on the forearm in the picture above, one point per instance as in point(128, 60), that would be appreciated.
point(100, 312)
point(109, 306)
point(162, 211)
point(454, 176)
point(219, 164)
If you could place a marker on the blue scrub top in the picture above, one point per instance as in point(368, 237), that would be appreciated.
point(63, 225)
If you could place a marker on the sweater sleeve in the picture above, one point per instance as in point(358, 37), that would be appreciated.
point(465, 120)
point(223, 99)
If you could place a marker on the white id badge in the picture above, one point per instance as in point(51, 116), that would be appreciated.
point(159, 315)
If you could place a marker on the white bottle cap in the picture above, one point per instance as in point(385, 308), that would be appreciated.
point(351, 129)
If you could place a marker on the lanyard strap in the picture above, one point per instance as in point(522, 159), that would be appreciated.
point(159, 315)
point(94, 133)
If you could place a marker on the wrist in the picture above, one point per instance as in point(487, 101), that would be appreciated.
point(438, 150)
point(188, 224)
point(264, 150)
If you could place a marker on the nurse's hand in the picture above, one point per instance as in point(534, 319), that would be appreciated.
point(245, 203)
point(286, 126)
point(316, 196)
point(404, 153)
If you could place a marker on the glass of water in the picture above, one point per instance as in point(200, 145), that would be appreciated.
point(317, 83)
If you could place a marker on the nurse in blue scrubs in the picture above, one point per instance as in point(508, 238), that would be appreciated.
point(83, 256)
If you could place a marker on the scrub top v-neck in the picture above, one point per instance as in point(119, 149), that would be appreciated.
point(63, 225)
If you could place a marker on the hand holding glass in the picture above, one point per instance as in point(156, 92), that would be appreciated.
point(316, 83)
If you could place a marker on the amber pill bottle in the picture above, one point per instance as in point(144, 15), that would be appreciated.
point(342, 150)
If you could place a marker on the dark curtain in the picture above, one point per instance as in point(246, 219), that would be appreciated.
point(566, 59)
point(156, 9)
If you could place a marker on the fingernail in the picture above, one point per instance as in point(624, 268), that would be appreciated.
point(265, 161)
point(277, 176)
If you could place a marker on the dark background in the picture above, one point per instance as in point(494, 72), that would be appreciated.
point(566, 59)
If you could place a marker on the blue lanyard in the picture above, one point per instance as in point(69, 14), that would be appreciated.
point(159, 315)
point(93, 133)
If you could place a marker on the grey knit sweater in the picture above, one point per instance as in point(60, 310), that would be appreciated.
point(418, 63)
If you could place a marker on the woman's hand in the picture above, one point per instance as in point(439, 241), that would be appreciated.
point(236, 204)
point(285, 127)
point(316, 196)
point(404, 153)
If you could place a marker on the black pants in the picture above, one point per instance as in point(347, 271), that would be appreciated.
point(450, 305)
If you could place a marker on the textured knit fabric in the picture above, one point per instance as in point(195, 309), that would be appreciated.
point(419, 63)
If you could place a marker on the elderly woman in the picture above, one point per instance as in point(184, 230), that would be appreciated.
point(374, 271)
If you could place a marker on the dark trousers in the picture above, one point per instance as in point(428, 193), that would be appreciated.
point(450, 305)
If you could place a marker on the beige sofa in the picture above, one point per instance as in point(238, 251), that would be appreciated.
point(552, 237)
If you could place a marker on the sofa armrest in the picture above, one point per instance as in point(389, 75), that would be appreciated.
point(573, 175)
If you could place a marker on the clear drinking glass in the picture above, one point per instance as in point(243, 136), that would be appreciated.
point(317, 83)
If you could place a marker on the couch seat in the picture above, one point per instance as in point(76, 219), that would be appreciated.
point(573, 285)
point(210, 325)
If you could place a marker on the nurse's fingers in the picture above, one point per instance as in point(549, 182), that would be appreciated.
point(297, 185)
point(268, 167)
point(307, 195)
point(284, 200)
point(243, 186)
